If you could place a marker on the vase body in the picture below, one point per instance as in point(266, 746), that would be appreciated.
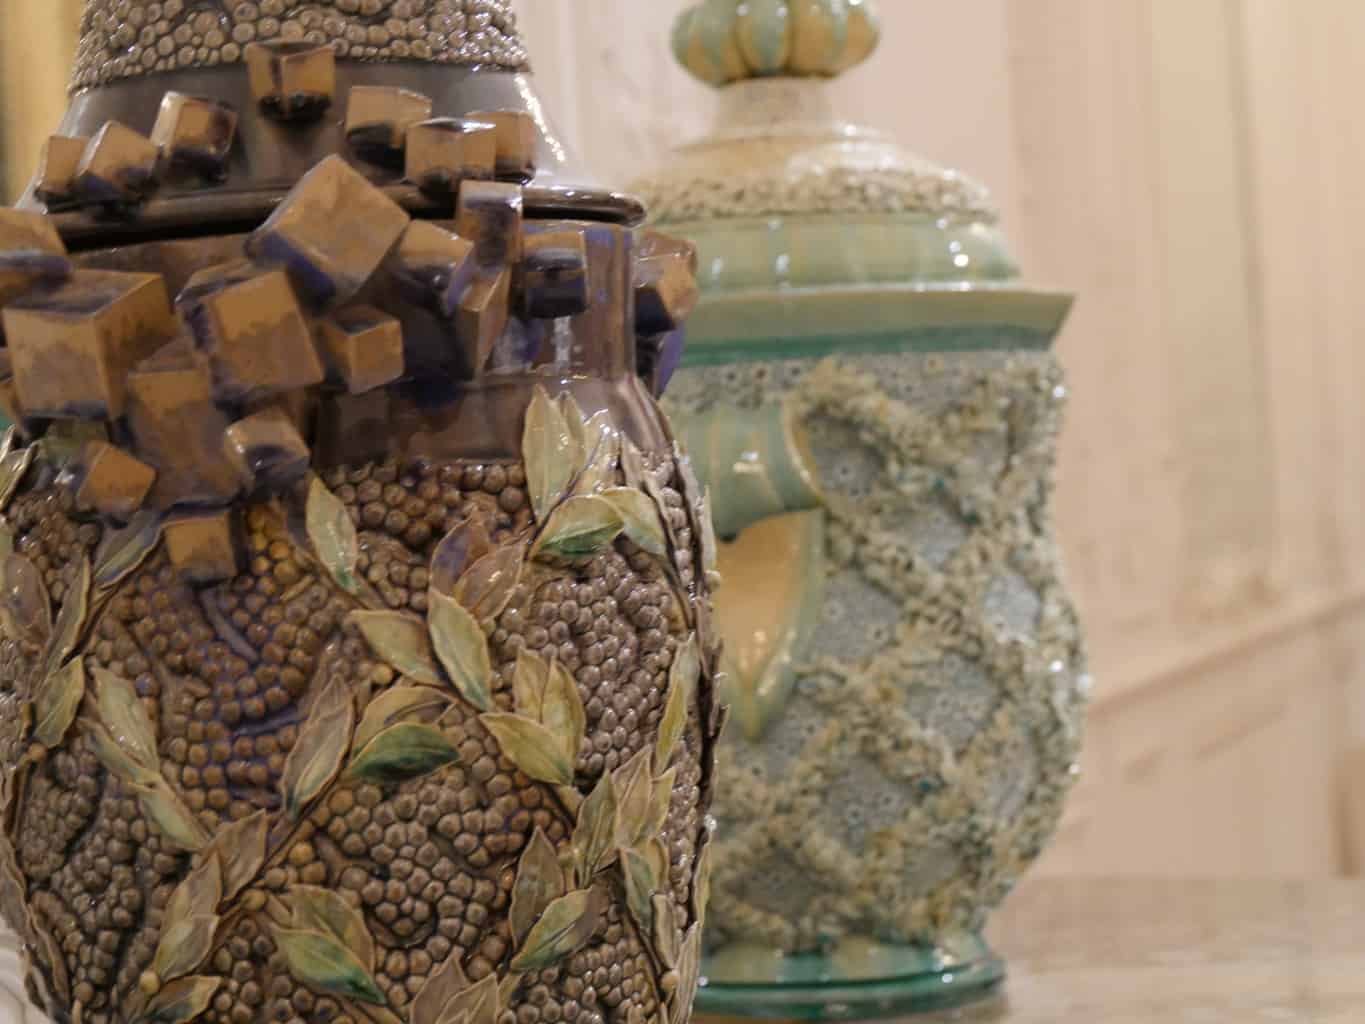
point(357, 659)
point(870, 394)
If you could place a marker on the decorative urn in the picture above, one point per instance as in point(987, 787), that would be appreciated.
point(870, 393)
point(356, 663)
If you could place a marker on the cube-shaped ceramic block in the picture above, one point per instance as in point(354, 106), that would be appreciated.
point(58, 162)
point(292, 80)
point(434, 265)
point(251, 331)
point(179, 429)
point(30, 251)
point(112, 482)
point(445, 151)
point(331, 232)
point(203, 546)
point(554, 274)
point(378, 118)
point(666, 288)
point(267, 450)
point(489, 214)
point(195, 133)
point(118, 165)
point(74, 344)
point(516, 142)
point(363, 348)
point(483, 315)
point(355, 428)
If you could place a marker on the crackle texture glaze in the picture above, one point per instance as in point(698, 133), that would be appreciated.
point(919, 759)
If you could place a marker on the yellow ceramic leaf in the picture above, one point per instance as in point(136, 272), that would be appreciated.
point(603, 445)
point(401, 640)
point(768, 610)
point(667, 929)
point(459, 549)
point(25, 599)
point(488, 584)
point(177, 825)
point(656, 852)
point(201, 892)
point(320, 750)
point(399, 704)
point(13, 468)
point(567, 925)
point(529, 681)
point(115, 758)
point(55, 704)
point(325, 965)
point(634, 792)
point(121, 553)
point(595, 835)
point(641, 518)
point(444, 984)
point(582, 445)
point(547, 448)
point(181, 1001)
point(462, 649)
point(701, 885)
point(682, 682)
point(478, 1004)
point(66, 633)
point(121, 711)
point(531, 747)
point(241, 847)
point(185, 945)
point(562, 711)
point(322, 910)
point(332, 534)
point(660, 801)
point(689, 977)
point(641, 883)
point(580, 527)
point(540, 881)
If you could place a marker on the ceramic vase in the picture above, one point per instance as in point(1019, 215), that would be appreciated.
point(356, 661)
point(870, 394)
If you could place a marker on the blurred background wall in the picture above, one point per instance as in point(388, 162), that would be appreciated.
point(1192, 171)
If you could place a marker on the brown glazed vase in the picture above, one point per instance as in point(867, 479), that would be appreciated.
point(356, 664)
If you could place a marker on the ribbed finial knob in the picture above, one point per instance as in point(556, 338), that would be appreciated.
point(723, 41)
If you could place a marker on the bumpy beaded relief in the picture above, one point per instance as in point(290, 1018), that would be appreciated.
point(334, 736)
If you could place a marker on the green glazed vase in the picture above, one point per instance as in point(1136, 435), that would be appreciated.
point(869, 392)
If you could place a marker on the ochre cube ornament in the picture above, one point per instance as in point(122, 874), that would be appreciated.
point(266, 450)
point(252, 332)
point(58, 162)
point(290, 80)
point(112, 482)
point(445, 151)
point(554, 273)
point(489, 214)
point(203, 546)
point(435, 265)
point(666, 289)
point(30, 251)
point(378, 118)
point(74, 344)
point(179, 430)
point(331, 232)
point(363, 348)
point(195, 133)
point(516, 142)
point(483, 315)
point(118, 165)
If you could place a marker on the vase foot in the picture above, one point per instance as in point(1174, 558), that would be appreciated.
point(856, 980)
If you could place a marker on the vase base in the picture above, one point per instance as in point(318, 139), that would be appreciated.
point(856, 980)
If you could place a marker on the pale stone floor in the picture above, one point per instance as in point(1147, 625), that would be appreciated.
point(1139, 953)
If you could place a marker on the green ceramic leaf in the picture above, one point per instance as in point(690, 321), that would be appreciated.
point(241, 847)
point(689, 977)
point(444, 984)
point(641, 884)
point(709, 548)
point(115, 757)
point(56, 702)
point(323, 964)
point(121, 711)
point(171, 817)
point(200, 894)
point(185, 945)
point(634, 793)
point(531, 747)
point(594, 837)
point(540, 881)
point(405, 751)
point(478, 1004)
point(562, 711)
point(320, 750)
point(583, 444)
point(640, 478)
point(641, 518)
point(181, 1001)
point(332, 534)
point(667, 929)
point(550, 453)
point(458, 550)
point(402, 641)
point(602, 445)
point(462, 648)
point(701, 884)
point(529, 681)
point(580, 527)
point(66, 633)
point(326, 912)
point(25, 599)
point(8, 440)
point(656, 852)
point(682, 681)
point(661, 799)
point(120, 554)
point(399, 704)
point(13, 468)
point(487, 586)
point(567, 925)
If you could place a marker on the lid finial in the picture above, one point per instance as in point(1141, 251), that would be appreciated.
point(724, 41)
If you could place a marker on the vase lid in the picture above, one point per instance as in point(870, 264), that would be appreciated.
point(799, 212)
point(301, 82)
